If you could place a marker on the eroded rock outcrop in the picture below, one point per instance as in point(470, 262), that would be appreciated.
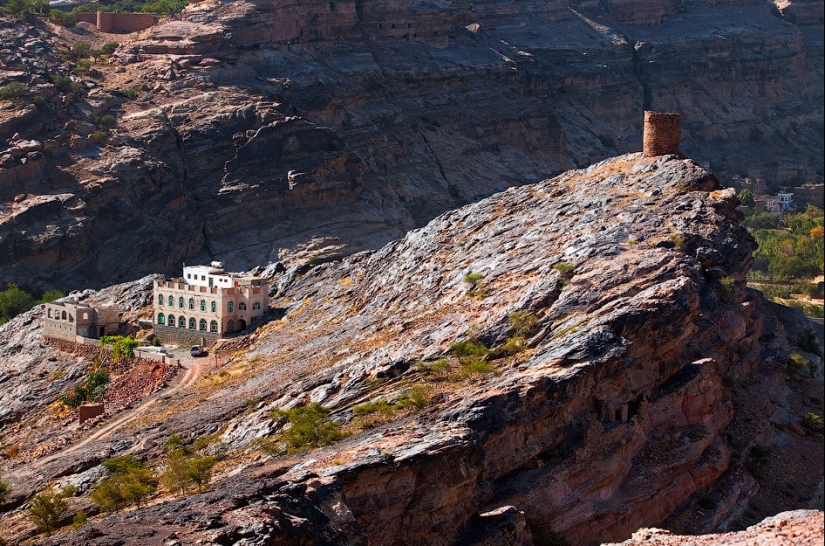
point(624, 405)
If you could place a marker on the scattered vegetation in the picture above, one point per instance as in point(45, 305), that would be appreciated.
point(79, 520)
point(470, 347)
point(306, 427)
point(677, 240)
point(440, 369)
point(795, 252)
point(14, 301)
point(812, 421)
point(130, 484)
point(184, 471)
point(566, 271)
point(14, 91)
point(46, 509)
point(476, 287)
point(797, 366)
point(5, 491)
point(121, 346)
point(92, 389)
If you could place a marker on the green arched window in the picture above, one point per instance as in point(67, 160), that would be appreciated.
point(171, 319)
point(203, 305)
point(191, 304)
point(214, 307)
point(160, 299)
point(256, 306)
point(161, 318)
point(192, 324)
point(202, 325)
point(182, 321)
point(242, 306)
point(213, 326)
point(230, 326)
point(180, 302)
point(171, 301)
point(230, 306)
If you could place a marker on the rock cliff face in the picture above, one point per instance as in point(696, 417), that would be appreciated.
point(645, 381)
point(256, 131)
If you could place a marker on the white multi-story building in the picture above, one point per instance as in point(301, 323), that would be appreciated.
point(786, 202)
point(207, 302)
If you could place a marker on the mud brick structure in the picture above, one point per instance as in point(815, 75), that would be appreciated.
point(107, 21)
point(89, 411)
point(662, 133)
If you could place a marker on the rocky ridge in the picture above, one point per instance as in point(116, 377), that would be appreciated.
point(257, 131)
point(625, 407)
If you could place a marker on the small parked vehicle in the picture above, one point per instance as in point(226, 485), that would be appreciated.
point(196, 350)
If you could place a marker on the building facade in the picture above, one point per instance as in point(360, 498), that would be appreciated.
point(207, 302)
point(67, 320)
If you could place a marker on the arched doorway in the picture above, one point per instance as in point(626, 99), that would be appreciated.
point(241, 324)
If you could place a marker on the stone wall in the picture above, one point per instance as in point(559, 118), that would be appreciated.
point(184, 336)
point(662, 133)
point(106, 21)
point(91, 349)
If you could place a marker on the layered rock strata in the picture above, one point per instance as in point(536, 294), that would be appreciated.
point(617, 412)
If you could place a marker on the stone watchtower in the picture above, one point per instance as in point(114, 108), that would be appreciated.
point(662, 133)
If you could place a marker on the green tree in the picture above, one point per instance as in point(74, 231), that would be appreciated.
point(200, 471)
point(176, 476)
point(46, 509)
point(131, 483)
point(746, 198)
point(109, 47)
point(51, 295)
point(14, 301)
point(81, 49)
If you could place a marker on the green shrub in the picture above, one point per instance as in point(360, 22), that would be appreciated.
point(309, 427)
point(473, 366)
point(367, 408)
point(92, 389)
point(109, 47)
point(522, 322)
point(476, 285)
point(79, 520)
point(14, 91)
point(797, 365)
point(566, 271)
point(470, 347)
point(415, 398)
point(5, 491)
point(121, 464)
point(812, 421)
point(440, 369)
point(513, 345)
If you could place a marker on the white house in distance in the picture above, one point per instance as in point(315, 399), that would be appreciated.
point(207, 302)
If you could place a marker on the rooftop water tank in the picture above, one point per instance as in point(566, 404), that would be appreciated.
point(217, 265)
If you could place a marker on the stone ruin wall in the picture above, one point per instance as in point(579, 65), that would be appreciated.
point(662, 133)
point(106, 21)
